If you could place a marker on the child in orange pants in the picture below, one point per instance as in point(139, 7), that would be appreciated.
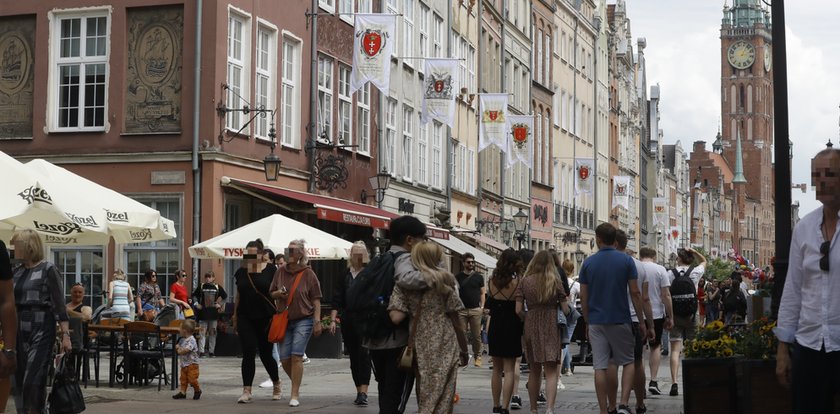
point(187, 350)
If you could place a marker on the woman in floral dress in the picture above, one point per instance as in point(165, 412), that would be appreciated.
point(541, 293)
point(437, 330)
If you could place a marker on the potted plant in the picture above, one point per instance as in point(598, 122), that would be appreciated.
point(709, 371)
point(759, 389)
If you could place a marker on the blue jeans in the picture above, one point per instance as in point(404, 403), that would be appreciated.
point(567, 356)
point(297, 337)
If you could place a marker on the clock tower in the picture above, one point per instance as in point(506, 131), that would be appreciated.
point(746, 80)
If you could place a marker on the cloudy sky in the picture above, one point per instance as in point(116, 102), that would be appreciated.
point(683, 56)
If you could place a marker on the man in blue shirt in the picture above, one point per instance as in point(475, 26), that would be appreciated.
point(605, 278)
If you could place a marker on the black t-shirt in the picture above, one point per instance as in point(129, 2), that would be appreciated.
point(254, 304)
point(206, 295)
point(469, 288)
point(5, 263)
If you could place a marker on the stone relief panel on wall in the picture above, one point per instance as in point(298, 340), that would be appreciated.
point(155, 41)
point(17, 80)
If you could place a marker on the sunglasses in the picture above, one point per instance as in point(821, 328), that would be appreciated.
point(824, 249)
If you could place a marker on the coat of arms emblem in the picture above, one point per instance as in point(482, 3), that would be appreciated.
point(372, 42)
point(621, 189)
point(583, 172)
point(493, 116)
point(439, 86)
point(520, 134)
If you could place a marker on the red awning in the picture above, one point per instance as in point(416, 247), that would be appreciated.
point(330, 208)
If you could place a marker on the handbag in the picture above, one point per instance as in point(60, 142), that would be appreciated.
point(408, 360)
point(280, 319)
point(66, 395)
point(189, 313)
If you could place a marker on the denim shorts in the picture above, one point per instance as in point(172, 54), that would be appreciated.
point(297, 337)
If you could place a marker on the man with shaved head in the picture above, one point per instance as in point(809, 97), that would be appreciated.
point(808, 328)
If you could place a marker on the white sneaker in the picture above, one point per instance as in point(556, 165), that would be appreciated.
point(306, 359)
point(267, 384)
point(560, 385)
point(294, 402)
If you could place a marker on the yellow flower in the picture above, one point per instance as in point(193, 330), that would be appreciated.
point(716, 325)
point(727, 352)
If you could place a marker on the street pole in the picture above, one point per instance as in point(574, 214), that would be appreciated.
point(782, 155)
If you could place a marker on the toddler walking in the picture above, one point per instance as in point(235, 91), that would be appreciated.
point(187, 350)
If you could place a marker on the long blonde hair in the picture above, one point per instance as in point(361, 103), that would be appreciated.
point(425, 256)
point(544, 271)
point(31, 244)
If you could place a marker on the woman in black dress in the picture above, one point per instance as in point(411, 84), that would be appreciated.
point(39, 299)
point(252, 317)
point(504, 336)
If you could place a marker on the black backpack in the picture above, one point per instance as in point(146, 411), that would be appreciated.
point(735, 301)
point(683, 293)
point(369, 294)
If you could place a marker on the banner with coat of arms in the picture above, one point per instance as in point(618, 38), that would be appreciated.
point(520, 143)
point(660, 211)
point(584, 168)
point(439, 89)
point(373, 46)
point(621, 192)
point(492, 127)
point(674, 238)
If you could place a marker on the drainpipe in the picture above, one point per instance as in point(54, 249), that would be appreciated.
point(503, 90)
point(479, 173)
point(196, 166)
point(313, 96)
point(449, 154)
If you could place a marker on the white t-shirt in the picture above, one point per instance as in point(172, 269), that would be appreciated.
point(657, 279)
point(695, 275)
point(643, 277)
point(574, 293)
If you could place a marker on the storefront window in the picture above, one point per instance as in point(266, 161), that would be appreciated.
point(83, 266)
point(162, 256)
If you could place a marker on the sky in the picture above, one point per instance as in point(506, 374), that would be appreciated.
point(683, 57)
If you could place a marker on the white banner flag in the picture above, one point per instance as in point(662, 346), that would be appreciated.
point(674, 238)
point(492, 127)
point(584, 168)
point(520, 143)
point(660, 211)
point(621, 192)
point(439, 89)
point(373, 46)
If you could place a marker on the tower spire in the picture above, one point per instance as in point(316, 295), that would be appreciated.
point(739, 163)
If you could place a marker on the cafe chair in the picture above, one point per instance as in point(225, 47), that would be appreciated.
point(144, 354)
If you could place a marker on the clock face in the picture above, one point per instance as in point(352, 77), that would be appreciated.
point(768, 57)
point(741, 54)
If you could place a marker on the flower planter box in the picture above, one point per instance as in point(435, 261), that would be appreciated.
point(325, 346)
point(759, 390)
point(709, 385)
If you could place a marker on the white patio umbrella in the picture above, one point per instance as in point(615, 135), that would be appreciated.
point(275, 231)
point(56, 212)
point(127, 220)
point(67, 209)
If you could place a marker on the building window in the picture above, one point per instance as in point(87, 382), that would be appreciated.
point(408, 31)
point(363, 119)
point(547, 60)
point(237, 72)
point(83, 266)
point(408, 141)
point(345, 106)
point(425, 15)
point(538, 145)
point(328, 5)
point(539, 57)
point(462, 167)
point(392, 8)
point(471, 171)
point(266, 75)
point(473, 87)
point(423, 153)
point(391, 135)
point(325, 95)
point(546, 159)
point(438, 36)
point(365, 6)
point(291, 93)
point(80, 64)
point(437, 155)
point(164, 257)
point(346, 10)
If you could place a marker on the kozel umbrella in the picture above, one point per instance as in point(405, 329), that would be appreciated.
point(275, 231)
point(67, 209)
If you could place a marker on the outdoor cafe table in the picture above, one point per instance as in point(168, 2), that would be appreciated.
point(167, 330)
